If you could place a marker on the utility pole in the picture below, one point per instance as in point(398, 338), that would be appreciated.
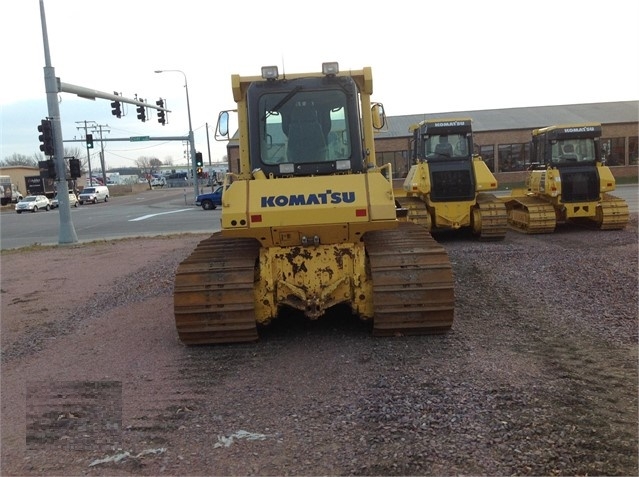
point(99, 128)
point(208, 146)
point(86, 127)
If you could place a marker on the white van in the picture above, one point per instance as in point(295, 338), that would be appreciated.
point(94, 194)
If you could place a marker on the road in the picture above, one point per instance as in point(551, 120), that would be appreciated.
point(154, 212)
point(630, 193)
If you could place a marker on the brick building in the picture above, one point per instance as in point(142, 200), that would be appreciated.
point(502, 136)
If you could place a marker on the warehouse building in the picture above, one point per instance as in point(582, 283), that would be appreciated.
point(502, 136)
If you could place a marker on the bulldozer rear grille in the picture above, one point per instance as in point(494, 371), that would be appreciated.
point(452, 185)
point(579, 185)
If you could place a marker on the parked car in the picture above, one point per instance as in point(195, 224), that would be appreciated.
point(94, 194)
point(158, 182)
point(33, 203)
point(210, 200)
point(73, 200)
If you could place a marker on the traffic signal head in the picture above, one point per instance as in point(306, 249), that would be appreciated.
point(141, 113)
point(200, 172)
point(116, 107)
point(51, 169)
point(161, 114)
point(198, 159)
point(117, 110)
point(74, 168)
point(46, 137)
point(89, 141)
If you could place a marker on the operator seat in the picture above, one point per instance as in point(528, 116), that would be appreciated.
point(569, 153)
point(306, 140)
point(444, 148)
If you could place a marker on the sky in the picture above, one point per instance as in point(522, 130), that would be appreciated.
point(426, 57)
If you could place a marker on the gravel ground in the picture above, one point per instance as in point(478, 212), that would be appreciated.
point(537, 377)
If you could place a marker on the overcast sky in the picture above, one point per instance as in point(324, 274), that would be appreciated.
point(427, 57)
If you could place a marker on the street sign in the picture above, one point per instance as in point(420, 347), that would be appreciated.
point(139, 138)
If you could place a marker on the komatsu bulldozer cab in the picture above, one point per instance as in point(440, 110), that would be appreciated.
point(307, 164)
point(558, 146)
point(447, 146)
point(305, 126)
point(574, 152)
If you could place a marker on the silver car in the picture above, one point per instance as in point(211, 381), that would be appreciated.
point(73, 200)
point(33, 203)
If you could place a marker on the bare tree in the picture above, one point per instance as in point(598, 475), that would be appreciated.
point(17, 160)
point(78, 153)
point(144, 164)
point(21, 160)
point(155, 163)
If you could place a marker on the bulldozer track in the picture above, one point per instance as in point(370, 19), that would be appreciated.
point(413, 289)
point(213, 296)
point(417, 211)
point(531, 216)
point(493, 216)
point(534, 216)
point(490, 217)
point(614, 213)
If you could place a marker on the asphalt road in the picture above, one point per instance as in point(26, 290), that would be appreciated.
point(155, 212)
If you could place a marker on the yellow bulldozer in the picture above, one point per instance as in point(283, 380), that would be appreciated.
point(309, 221)
point(567, 182)
point(448, 187)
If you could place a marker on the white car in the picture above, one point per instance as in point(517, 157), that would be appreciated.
point(73, 200)
point(33, 203)
point(158, 182)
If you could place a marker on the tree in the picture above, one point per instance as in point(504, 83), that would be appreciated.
point(145, 167)
point(155, 163)
point(21, 160)
point(78, 153)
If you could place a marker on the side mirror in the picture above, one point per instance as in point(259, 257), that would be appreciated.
point(379, 116)
point(222, 128)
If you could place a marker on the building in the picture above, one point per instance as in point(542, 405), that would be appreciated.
point(502, 136)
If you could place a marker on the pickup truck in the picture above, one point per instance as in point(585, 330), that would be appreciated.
point(210, 200)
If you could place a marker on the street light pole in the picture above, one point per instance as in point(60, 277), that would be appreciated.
point(191, 136)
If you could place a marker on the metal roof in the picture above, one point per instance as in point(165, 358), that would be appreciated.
point(524, 118)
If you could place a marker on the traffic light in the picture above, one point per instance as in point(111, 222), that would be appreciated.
point(141, 113)
point(117, 110)
point(74, 168)
point(46, 137)
point(198, 164)
point(89, 141)
point(51, 172)
point(161, 115)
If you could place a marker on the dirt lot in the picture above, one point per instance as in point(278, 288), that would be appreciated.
point(537, 377)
